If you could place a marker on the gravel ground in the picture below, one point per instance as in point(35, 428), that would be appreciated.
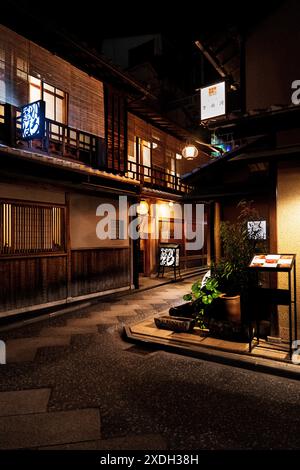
point(190, 403)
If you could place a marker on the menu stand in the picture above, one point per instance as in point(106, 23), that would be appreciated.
point(276, 296)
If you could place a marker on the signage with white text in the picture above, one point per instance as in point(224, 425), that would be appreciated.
point(212, 100)
point(33, 120)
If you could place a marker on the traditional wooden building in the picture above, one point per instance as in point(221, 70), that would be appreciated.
point(94, 149)
point(263, 165)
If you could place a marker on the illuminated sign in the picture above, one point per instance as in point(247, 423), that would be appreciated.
point(257, 229)
point(212, 100)
point(169, 255)
point(33, 120)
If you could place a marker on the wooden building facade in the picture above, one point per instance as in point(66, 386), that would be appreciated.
point(93, 152)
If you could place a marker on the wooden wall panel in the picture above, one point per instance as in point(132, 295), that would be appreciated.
point(116, 130)
point(32, 281)
point(86, 100)
point(167, 144)
point(99, 270)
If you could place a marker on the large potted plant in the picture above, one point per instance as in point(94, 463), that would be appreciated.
point(240, 241)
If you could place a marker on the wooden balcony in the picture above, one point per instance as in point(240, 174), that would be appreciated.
point(75, 145)
point(156, 178)
point(63, 141)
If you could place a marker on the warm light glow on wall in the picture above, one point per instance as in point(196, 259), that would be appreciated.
point(163, 211)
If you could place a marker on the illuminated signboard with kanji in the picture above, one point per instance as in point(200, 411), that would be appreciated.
point(257, 229)
point(33, 120)
point(212, 100)
point(169, 255)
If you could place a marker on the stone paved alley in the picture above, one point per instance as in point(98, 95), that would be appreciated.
point(71, 382)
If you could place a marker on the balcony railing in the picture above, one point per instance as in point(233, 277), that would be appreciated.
point(156, 177)
point(64, 141)
point(76, 145)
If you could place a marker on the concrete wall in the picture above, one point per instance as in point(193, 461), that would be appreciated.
point(288, 228)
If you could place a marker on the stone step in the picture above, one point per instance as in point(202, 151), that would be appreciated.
point(41, 429)
point(24, 349)
point(22, 402)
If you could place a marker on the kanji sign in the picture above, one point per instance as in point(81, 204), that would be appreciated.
point(33, 120)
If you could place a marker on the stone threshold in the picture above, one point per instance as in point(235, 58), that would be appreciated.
point(263, 357)
point(154, 281)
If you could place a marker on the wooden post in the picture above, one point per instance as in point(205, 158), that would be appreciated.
point(207, 216)
point(68, 247)
point(10, 124)
point(217, 237)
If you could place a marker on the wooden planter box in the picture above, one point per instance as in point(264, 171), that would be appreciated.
point(179, 324)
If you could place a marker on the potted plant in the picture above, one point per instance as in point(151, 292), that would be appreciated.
point(196, 310)
point(202, 298)
point(240, 241)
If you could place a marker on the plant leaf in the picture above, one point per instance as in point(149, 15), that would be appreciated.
point(187, 297)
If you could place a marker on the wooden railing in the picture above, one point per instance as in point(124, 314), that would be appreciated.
point(156, 177)
point(64, 141)
point(75, 145)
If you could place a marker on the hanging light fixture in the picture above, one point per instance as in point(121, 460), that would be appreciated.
point(190, 152)
point(142, 208)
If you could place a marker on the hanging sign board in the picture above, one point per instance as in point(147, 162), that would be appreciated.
point(33, 120)
point(212, 99)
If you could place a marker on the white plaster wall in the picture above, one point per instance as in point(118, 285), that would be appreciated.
point(288, 229)
point(83, 222)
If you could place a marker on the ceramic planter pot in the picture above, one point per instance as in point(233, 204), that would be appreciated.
point(232, 307)
point(179, 324)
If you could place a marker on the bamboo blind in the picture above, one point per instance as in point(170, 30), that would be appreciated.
point(29, 228)
point(20, 58)
point(167, 145)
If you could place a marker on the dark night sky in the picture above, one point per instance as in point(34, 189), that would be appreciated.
point(111, 18)
point(89, 22)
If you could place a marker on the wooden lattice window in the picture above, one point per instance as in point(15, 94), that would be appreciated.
point(27, 228)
